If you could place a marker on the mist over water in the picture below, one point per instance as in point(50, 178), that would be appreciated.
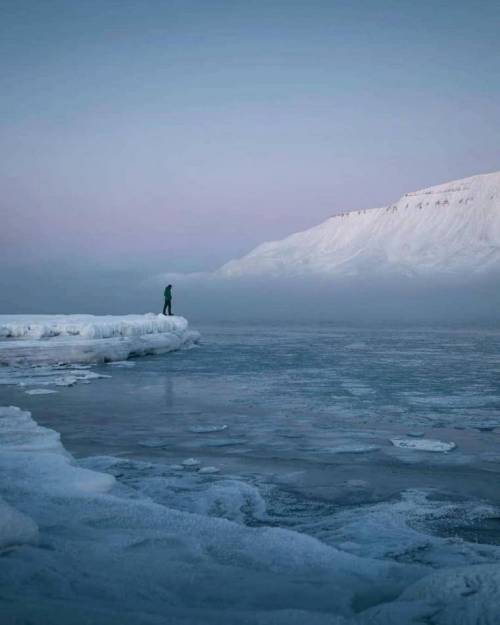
point(359, 300)
point(202, 297)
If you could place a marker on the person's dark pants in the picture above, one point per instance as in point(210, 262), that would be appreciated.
point(167, 306)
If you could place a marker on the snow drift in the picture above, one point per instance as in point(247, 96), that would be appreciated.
point(35, 339)
point(452, 228)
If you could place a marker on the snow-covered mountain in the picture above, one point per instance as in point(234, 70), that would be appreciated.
point(448, 228)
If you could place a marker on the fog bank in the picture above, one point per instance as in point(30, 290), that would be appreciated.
point(202, 297)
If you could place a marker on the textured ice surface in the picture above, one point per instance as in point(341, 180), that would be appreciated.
point(417, 528)
point(463, 596)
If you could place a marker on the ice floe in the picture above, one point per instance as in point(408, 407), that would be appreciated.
point(351, 448)
point(206, 429)
point(423, 444)
point(208, 470)
point(190, 463)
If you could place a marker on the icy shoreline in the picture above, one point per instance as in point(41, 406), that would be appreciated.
point(63, 519)
point(48, 339)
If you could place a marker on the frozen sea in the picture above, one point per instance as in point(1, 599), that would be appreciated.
point(304, 474)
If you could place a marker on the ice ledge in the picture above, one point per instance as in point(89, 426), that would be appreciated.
point(88, 326)
point(36, 339)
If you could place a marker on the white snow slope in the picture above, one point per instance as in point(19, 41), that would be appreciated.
point(37, 339)
point(448, 228)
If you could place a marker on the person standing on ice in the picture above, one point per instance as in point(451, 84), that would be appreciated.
point(168, 300)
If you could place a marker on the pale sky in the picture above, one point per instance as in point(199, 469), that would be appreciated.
point(174, 135)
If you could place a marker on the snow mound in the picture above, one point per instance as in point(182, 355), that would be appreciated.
point(32, 339)
point(452, 227)
point(423, 444)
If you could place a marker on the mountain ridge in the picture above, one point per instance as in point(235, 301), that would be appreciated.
point(452, 227)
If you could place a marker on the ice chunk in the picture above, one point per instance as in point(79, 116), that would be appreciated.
point(209, 470)
point(423, 444)
point(40, 391)
point(123, 363)
point(67, 380)
point(351, 448)
point(206, 429)
point(191, 462)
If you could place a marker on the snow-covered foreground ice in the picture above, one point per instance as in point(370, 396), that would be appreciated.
point(105, 548)
point(252, 482)
point(103, 554)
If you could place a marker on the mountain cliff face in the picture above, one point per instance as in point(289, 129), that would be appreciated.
point(448, 228)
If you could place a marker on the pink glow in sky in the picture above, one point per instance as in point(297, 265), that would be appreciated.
point(182, 134)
